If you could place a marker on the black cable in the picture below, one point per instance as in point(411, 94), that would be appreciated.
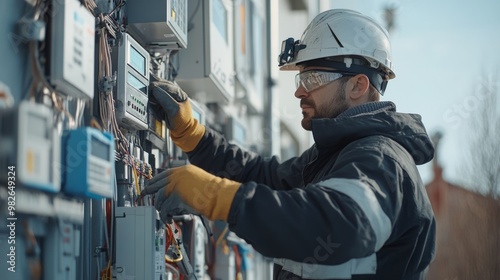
point(189, 23)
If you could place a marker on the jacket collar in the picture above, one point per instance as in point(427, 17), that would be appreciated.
point(374, 118)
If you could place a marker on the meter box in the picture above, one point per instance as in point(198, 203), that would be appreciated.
point(88, 163)
point(131, 62)
point(30, 147)
point(161, 23)
point(198, 111)
point(72, 49)
point(206, 67)
point(139, 243)
point(249, 53)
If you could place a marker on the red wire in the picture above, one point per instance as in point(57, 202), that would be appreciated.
point(108, 216)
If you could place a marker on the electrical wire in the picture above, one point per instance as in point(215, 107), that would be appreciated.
point(174, 270)
point(80, 108)
point(221, 236)
point(115, 197)
point(95, 124)
point(106, 100)
point(116, 7)
point(136, 179)
point(189, 24)
point(90, 5)
point(106, 274)
point(106, 19)
point(106, 233)
point(172, 229)
point(33, 253)
point(99, 268)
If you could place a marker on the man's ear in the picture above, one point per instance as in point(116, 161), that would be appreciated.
point(359, 85)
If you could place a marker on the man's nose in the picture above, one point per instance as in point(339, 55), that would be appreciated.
point(300, 92)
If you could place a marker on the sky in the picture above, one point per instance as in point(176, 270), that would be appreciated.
point(441, 52)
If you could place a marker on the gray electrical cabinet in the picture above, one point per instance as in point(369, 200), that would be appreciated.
point(206, 67)
point(140, 244)
point(61, 250)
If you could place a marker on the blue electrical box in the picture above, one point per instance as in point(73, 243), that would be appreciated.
point(88, 163)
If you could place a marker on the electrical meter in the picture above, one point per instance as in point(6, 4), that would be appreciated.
point(72, 49)
point(131, 62)
point(198, 112)
point(159, 23)
point(249, 54)
point(31, 146)
point(88, 163)
point(206, 68)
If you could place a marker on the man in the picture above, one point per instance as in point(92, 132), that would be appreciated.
point(353, 205)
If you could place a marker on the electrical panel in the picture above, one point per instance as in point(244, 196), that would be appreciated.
point(72, 49)
point(140, 244)
point(31, 143)
point(81, 163)
point(160, 23)
point(61, 250)
point(206, 68)
point(88, 163)
point(131, 62)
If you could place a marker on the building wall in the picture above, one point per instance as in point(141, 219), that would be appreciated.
point(468, 232)
point(291, 24)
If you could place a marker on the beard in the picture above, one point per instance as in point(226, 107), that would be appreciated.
point(332, 109)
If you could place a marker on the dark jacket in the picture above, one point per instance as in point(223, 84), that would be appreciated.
point(352, 206)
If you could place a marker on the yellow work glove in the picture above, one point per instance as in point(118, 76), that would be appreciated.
point(185, 130)
point(191, 189)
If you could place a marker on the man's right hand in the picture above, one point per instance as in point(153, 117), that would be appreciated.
point(185, 130)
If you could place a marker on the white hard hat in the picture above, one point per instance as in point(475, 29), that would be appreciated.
point(343, 36)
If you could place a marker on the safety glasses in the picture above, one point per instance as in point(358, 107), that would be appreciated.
point(313, 79)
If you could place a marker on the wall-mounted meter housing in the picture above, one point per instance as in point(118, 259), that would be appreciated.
point(88, 163)
point(31, 145)
point(198, 112)
point(249, 53)
point(206, 67)
point(131, 62)
point(72, 49)
point(159, 23)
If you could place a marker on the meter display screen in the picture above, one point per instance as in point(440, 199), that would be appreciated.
point(197, 115)
point(99, 149)
point(219, 17)
point(133, 81)
point(239, 133)
point(137, 61)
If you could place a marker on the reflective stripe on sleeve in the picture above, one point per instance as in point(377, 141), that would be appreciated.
point(364, 196)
